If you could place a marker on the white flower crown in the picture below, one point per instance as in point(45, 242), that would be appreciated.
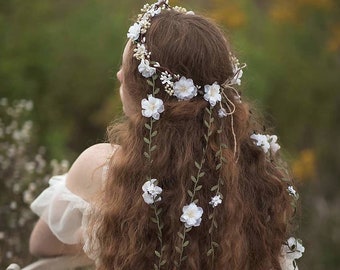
point(185, 89)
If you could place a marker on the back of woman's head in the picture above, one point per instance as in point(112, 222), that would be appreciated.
point(194, 152)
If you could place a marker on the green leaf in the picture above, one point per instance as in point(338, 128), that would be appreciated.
point(147, 126)
point(156, 91)
point(201, 174)
point(146, 140)
point(178, 249)
point(154, 220)
point(154, 133)
point(186, 243)
point(198, 187)
point(193, 178)
point(162, 263)
point(153, 148)
point(155, 266)
point(210, 251)
point(146, 155)
point(215, 244)
point(157, 254)
point(159, 211)
point(206, 124)
point(180, 235)
point(197, 165)
point(190, 193)
point(218, 166)
point(150, 83)
point(214, 188)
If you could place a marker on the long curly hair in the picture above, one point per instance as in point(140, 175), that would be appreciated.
point(254, 218)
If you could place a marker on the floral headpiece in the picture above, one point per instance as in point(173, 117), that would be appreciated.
point(184, 88)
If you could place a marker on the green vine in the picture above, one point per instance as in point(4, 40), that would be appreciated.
point(197, 187)
point(148, 154)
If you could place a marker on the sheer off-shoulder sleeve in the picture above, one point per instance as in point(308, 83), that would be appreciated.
point(62, 210)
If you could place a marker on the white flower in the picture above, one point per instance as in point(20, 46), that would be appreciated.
point(216, 200)
point(292, 191)
point(192, 215)
point(140, 51)
point(153, 12)
point(151, 191)
point(261, 140)
point(274, 146)
point(294, 248)
point(222, 113)
point(291, 251)
point(152, 107)
point(134, 31)
point(237, 77)
point(145, 69)
point(184, 89)
point(212, 93)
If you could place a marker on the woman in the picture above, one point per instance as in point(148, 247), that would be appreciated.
point(188, 180)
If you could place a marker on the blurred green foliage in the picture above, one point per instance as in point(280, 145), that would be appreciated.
point(64, 55)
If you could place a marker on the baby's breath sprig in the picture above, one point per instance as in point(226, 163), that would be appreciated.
point(192, 207)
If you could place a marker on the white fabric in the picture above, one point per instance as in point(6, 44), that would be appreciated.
point(61, 209)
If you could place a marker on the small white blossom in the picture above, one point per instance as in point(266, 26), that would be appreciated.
point(154, 12)
point(222, 113)
point(152, 107)
point(192, 215)
point(216, 200)
point(237, 69)
point(292, 191)
point(237, 77)
point(274, 146)
point(140, 51)
point(184, 89)
point(261, 140)
point(212, 93)
point(151, 191)
point(134, 31)
point(145, 69)
point(166, 78)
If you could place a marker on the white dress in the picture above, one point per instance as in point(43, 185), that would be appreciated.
point(62, 210)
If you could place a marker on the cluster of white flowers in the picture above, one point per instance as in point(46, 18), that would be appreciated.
point(266, 142)
point(152, 192)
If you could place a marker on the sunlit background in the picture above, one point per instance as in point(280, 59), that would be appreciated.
point(58, 92)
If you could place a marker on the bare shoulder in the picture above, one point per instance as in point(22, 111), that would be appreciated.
point(85, 175)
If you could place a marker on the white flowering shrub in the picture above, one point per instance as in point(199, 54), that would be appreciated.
point(24, 172)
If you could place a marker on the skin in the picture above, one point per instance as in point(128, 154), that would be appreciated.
point(84, 179)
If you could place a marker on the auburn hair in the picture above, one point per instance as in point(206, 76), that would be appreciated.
point(253, 219)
